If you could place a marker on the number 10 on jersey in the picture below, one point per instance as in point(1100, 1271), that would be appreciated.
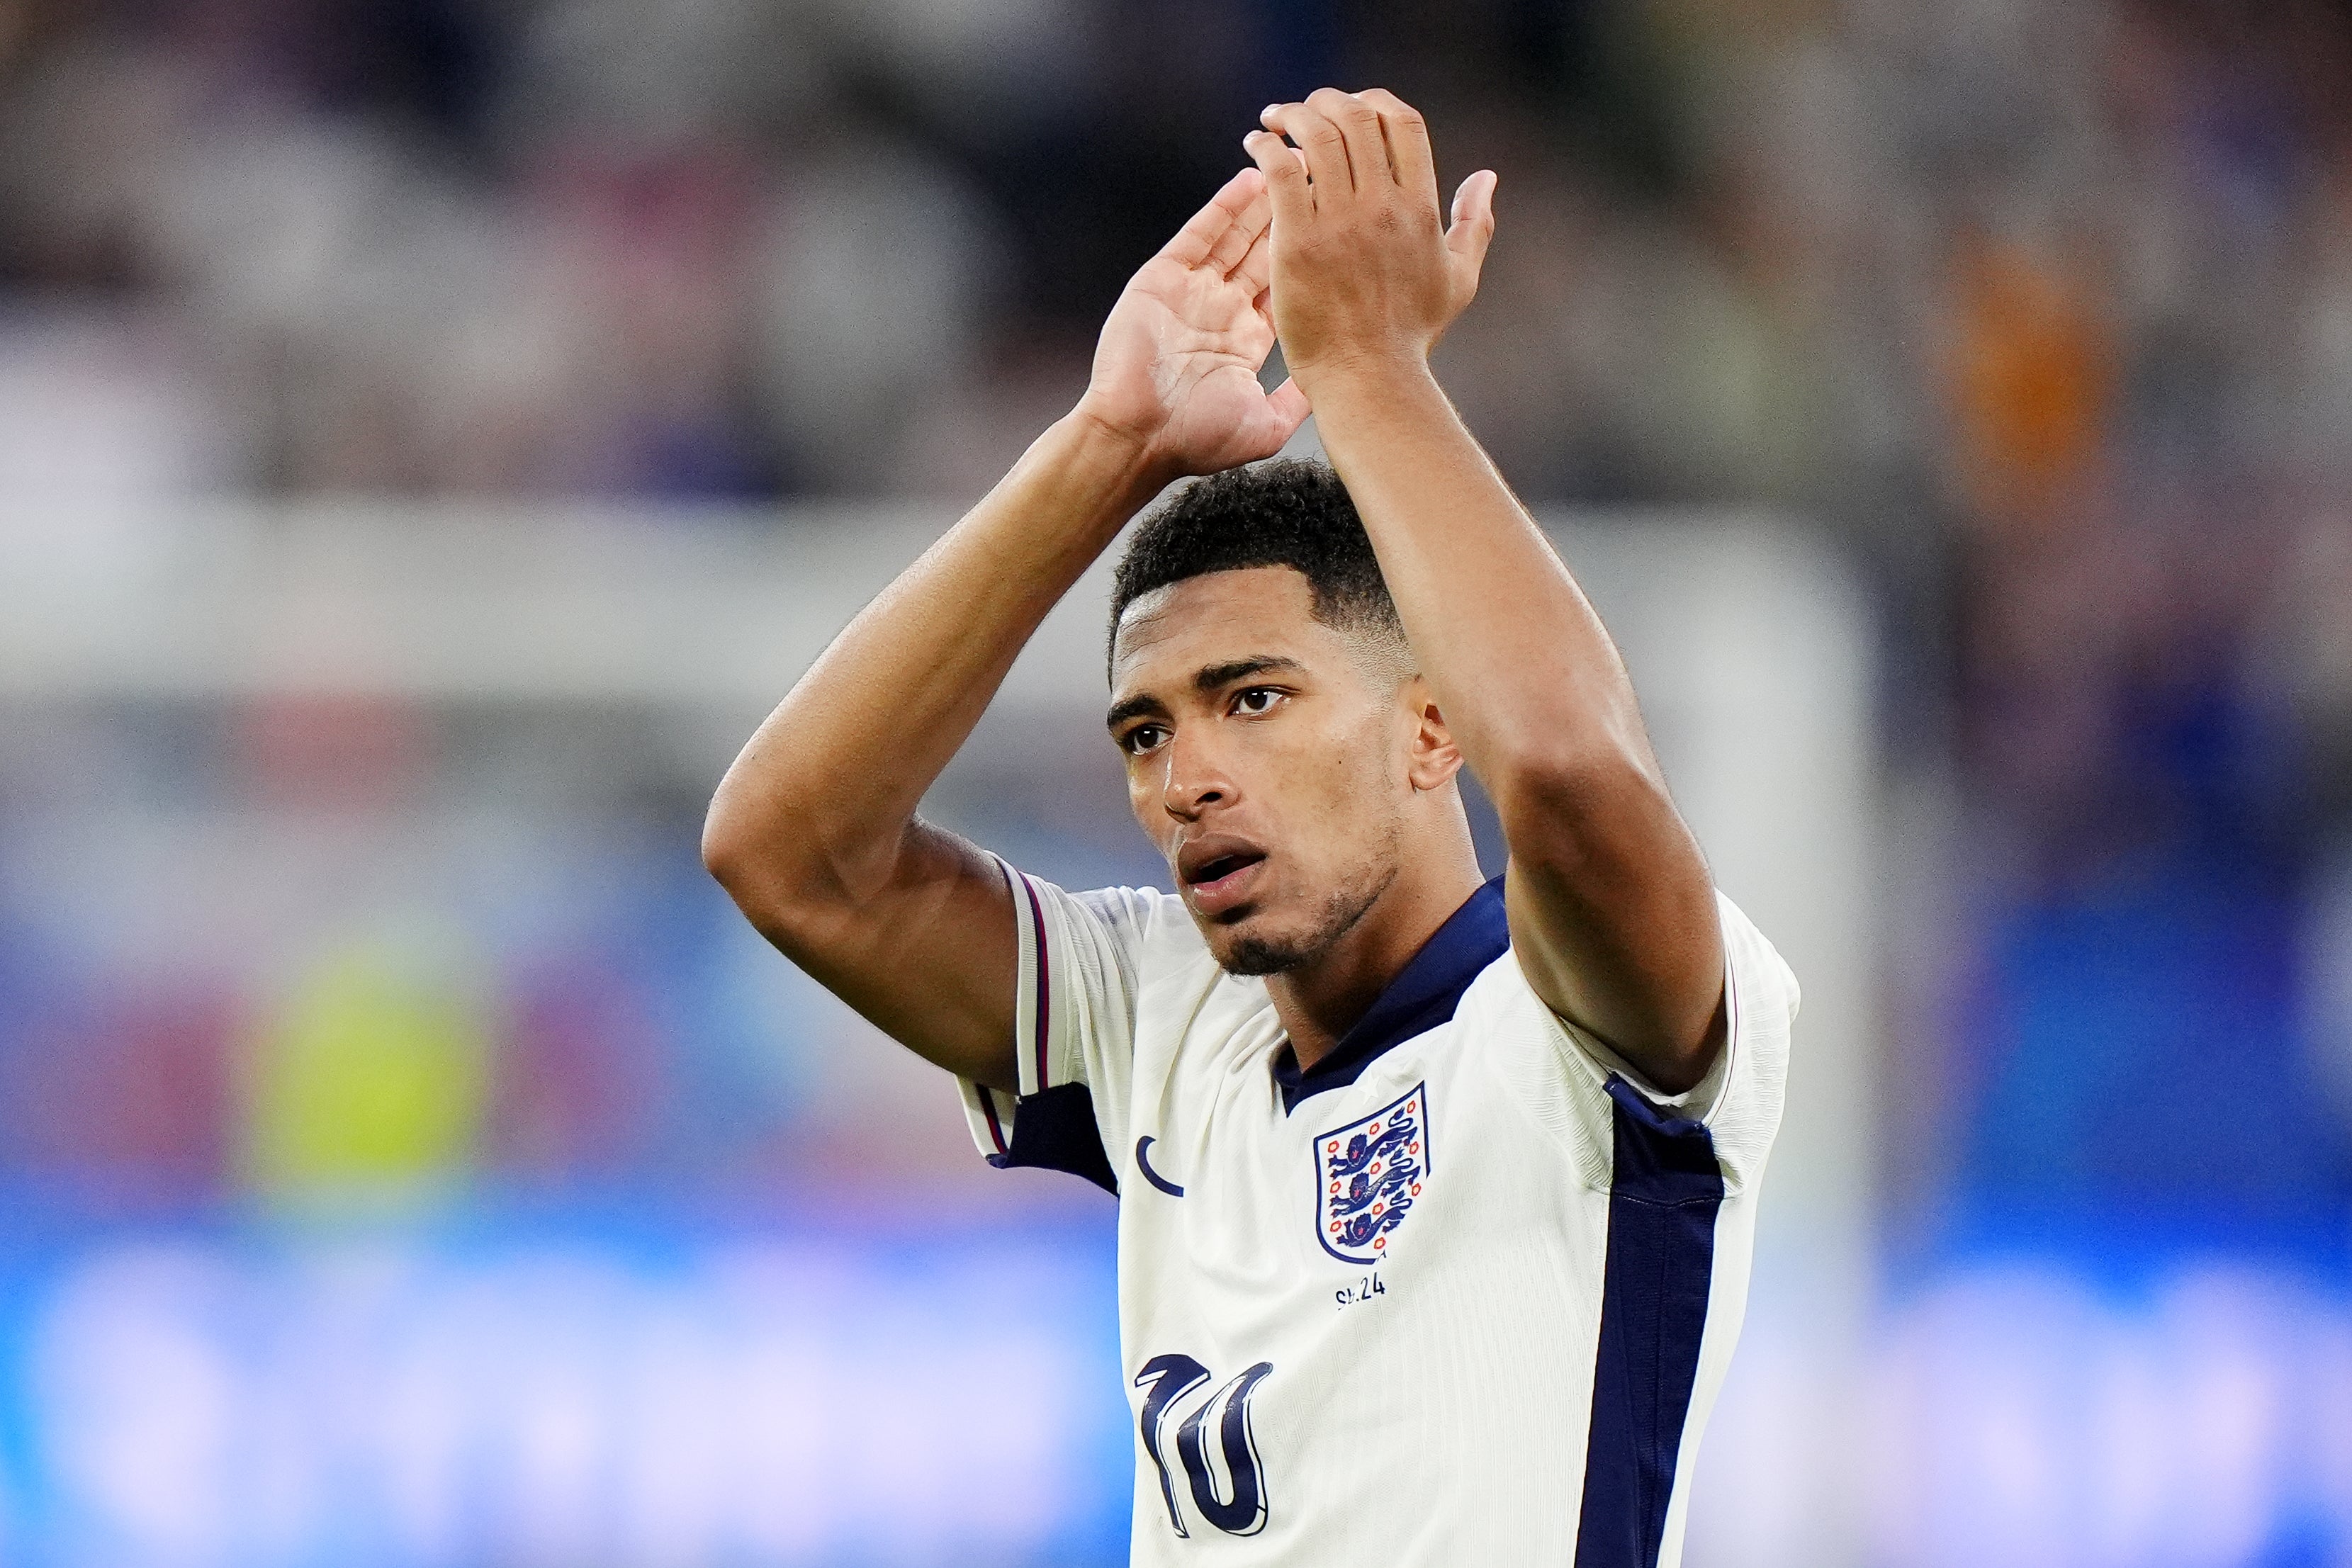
point(1239, 1507)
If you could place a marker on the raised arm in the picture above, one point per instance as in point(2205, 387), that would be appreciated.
point(814, 829)
point(1612, 912)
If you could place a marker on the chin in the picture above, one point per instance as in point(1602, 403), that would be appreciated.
point(1248, 942)
point(1259, 941)
point(1259, 944)
point(1260, 956)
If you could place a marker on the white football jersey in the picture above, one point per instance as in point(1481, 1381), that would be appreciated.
point(1461, 1292)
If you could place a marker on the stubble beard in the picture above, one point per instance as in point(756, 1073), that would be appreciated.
point(1340, 910)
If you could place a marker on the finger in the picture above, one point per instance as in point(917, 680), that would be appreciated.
point(1290, 407)
point(1247, 231)
point(1285, 176)
point(1256, 267)
point(1407, 135)
point(1359, 127)
point(1320, 142)
point(1474, 223)
point(1199, 236)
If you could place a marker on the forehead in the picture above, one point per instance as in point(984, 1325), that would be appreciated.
point(1218, 616)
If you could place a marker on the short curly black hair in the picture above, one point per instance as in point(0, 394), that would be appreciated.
point(1286, 512)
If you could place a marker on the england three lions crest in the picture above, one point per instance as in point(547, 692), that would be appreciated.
point(1369, 1174)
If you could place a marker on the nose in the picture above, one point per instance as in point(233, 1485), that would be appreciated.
point(1194, 778)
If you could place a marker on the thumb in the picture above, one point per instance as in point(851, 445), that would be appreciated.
point(1474, 223)
point(1290, 406)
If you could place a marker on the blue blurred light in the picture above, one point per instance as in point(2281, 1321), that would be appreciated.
point(563, 1393)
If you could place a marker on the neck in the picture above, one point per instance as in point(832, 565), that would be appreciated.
point(1320, 1002)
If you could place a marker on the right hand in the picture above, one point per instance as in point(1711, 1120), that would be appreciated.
point(1176, 369)
point(1367, 270)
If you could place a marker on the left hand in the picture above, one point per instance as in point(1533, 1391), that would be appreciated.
point(1176, 367)
point(1366, 269)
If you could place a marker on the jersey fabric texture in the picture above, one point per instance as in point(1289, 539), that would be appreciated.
point(1463, 1291)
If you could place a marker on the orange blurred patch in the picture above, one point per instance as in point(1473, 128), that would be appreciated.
point(2032, 381)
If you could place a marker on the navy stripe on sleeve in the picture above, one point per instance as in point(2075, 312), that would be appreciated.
point(1044, 980)
point(1661, 1208)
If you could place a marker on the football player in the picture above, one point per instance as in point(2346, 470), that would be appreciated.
point(1436, 1192)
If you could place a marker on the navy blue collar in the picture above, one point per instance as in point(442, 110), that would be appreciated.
point(1423, 994)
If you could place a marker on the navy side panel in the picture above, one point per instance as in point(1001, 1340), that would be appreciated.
point(1661, 1206)
point(1055, 1131)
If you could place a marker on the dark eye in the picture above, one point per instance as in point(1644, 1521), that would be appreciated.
point(1142, 738)
point(1255, 699)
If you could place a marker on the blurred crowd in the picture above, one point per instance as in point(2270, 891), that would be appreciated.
point(2042, 312)
point(367, 953)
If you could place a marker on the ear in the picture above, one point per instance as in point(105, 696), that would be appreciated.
point(1432, 758)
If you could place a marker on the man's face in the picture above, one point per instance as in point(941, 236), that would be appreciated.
point(1266, 757)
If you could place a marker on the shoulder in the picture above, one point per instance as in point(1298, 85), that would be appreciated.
point(1153, 930)
point(1131, 920)
point(1761, 980)
point(1761, 997)
point(1560, 1073)
point(1143, 936)
point(1144, 913)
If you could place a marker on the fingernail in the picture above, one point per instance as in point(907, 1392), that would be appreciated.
point(1269, 112)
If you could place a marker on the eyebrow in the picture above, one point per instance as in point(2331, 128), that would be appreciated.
point(1208, 678)
point(1133, 708)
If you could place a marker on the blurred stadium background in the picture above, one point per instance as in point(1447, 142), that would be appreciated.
point(431, 434)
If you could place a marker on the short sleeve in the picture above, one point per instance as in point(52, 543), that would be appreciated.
point(1741, 1096)
point(1074, 1026)
point(1739, 1099)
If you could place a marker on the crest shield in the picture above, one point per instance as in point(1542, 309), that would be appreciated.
point(1368, 1175)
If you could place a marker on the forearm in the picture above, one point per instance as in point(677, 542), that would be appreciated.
point(826, 787)
point(1611, 914)
point(1527, 675)
point(814, 829)
point(1612, 911)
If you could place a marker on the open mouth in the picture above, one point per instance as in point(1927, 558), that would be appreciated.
point(1220, 873)
point(1210, 873)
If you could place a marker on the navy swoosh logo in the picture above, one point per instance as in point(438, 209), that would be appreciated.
point(1153, 1177)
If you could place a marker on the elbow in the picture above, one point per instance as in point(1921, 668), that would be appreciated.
point(769, 892)
point(743, 853)
point(780, 867)
point(726, 855)
point(726, 865)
